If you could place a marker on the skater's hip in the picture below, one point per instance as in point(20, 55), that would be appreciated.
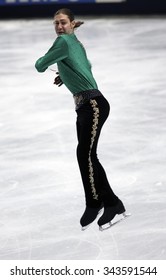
point(89, 101)
point(83, 97)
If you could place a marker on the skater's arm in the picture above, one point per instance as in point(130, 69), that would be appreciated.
point(57, 52)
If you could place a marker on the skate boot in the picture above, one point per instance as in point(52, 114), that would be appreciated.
point(109, 213)
point(89, 216)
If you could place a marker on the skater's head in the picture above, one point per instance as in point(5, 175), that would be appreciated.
point(64, 22)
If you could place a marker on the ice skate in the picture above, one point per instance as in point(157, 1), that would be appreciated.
point(89, 216)
point(106, 220)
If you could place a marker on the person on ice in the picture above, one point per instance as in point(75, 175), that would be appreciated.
point(92, 110)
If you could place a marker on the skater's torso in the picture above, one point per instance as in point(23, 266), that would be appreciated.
point(73, 66)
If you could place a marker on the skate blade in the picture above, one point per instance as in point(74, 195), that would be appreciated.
point(84, 228)
point(114, 221)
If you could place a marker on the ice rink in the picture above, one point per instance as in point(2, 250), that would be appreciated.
point(41, 193)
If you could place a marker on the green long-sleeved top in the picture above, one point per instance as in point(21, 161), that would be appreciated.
point(73, 66)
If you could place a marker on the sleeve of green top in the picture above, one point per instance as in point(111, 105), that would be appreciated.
point(57, 52)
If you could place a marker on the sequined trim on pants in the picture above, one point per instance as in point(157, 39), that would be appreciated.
point(82, 97)
point(93, 132)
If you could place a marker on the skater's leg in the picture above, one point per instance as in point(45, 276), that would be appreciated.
point(91, 118)
point(85, 132)
point(107, 195)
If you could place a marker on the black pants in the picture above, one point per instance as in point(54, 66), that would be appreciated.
point(90, 119)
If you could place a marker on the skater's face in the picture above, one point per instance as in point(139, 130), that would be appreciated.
point(63, 25)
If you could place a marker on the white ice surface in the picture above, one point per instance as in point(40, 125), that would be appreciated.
point(41, 194)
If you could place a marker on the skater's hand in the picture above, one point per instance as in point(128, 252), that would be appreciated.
point(57, 80)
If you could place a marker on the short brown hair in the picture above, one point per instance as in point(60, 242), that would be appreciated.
point(66, 12)
point(70, 14)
